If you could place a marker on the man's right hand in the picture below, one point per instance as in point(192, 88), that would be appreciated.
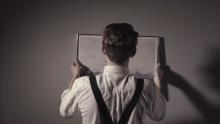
point(78, 69)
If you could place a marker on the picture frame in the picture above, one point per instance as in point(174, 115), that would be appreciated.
point(88, 50)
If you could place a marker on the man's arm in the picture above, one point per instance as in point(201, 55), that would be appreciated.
point(156, 102)
point(69, 102)
point(69, 97)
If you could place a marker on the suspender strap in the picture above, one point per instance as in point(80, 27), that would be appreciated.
point(128, 110)
point(104, 114)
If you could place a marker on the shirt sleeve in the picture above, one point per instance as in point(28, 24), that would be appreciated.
point(69, 101)
point(154, 102)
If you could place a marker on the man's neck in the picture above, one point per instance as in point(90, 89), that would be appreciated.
point(125, 63)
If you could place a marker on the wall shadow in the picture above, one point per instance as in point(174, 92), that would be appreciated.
point(211, 72)
point(211, 68)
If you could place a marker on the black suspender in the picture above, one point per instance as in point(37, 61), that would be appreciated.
point(128, 110)
point(104, 114)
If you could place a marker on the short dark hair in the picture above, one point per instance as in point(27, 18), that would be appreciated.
point(119, 41)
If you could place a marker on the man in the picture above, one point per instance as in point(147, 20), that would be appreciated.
point(116, 84)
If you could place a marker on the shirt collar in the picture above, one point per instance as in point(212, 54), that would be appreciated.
point(116, 69)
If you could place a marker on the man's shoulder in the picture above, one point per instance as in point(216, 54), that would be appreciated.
point(84, 82)
point(81, 83)
point(82, 79)
point(147, 83)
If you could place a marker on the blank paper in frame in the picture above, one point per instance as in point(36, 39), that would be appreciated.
point(141, 65)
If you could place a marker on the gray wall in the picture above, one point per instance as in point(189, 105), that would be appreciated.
point(37, 50)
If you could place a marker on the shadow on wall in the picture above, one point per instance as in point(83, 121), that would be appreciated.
point(211, 71)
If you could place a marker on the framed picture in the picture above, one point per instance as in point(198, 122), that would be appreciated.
point(89, 52)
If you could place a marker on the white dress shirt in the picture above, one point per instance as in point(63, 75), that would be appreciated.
point(117, 86)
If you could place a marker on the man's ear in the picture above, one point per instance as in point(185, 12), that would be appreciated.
point(133, 52)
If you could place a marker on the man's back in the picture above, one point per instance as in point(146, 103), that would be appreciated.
point(117, 86)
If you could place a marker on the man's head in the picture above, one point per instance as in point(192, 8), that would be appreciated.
point(119, 42)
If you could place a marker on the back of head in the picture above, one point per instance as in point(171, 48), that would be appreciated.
point(119, 42)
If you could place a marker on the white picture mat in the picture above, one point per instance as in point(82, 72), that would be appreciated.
point(142, 64)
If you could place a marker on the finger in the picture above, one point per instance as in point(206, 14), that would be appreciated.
point(71, 66)
point(77, 61)
point(74, 63)
point(158, 65)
